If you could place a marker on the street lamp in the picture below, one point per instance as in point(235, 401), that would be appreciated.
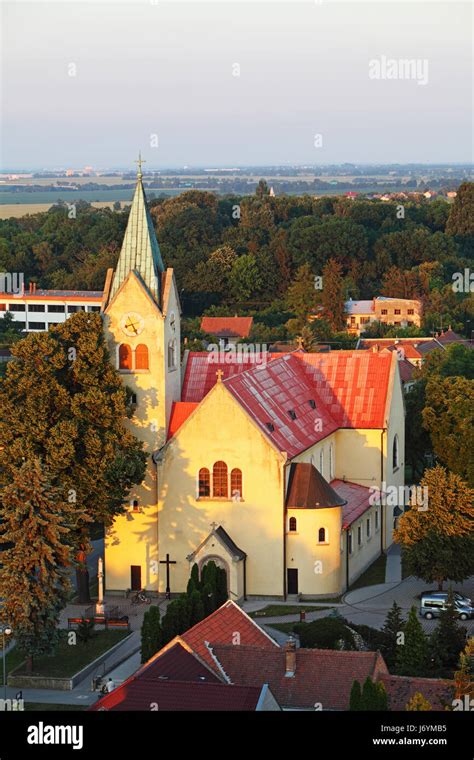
point(5, 630)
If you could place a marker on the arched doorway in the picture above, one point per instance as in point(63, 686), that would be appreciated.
point(217, 571)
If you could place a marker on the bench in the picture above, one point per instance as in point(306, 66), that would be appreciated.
point(122, 622)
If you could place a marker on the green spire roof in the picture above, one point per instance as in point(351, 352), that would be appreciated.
point(140, 250)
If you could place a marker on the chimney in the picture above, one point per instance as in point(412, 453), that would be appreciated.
point(31, 287)
point(290, 658)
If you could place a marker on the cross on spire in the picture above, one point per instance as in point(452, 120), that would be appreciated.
point(219, 375)
point(139, 163)
point(214, 525)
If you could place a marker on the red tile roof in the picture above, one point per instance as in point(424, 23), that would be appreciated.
point(322, 676)
point(173, 696)
point(180, 412)
point(406, 370)
point(400, 690)
point(349, 389)
point(221, 627)
point(238, 327)
point(357, 498)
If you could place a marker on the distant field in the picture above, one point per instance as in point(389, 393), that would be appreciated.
point(22, 209)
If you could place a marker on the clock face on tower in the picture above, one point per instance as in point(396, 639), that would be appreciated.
point(132, 324)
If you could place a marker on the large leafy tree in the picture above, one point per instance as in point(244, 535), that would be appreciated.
point(438, 543)
point(63, 401)
point(36, 522)
point(449, 418)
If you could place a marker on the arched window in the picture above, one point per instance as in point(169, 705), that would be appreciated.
point(236, 484)
point(125, 356)
point(395, 454)
point(135, 507)
point(292, 524)
point(141, 357)
point(219, 480)
point(204, 482)
point(331, 462)
point(321, 462)
point(322, 536)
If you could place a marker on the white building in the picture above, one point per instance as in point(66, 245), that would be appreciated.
point(37, 310)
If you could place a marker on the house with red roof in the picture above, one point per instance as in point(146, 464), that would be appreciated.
point(176, 679)
point(270, 465)
point(227, 329)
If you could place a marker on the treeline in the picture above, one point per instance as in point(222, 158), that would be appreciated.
point(246, 252)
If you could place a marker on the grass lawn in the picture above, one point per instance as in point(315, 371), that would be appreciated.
point(374, 574)
point(277, 610)
point(14, 658)
point(284, 627)
point(46, 707)
point(70, 658)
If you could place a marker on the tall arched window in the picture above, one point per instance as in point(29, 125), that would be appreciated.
point(219, 480)
point(204, 482)
point(292, 525)
point(395, 454)
point(125, 356)
point(321, 462)
point(322, 536)
point(331, 462)
point(141, 357)
point(236, 484)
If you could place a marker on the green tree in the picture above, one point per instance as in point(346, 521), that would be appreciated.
point(393, 626)
point(355, 700)
point(10, 330)
point(461, 217)
point(448, 638)
point(418, 703)
point(332, 296)
point(63, 401)
point(244, 278)
point(374, 696)
point(438, 541)
point(301, 295)
point(197, 612)
point(413, 655)
point(151, 633)
point(35, 524)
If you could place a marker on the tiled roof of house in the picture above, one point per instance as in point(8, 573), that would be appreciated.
point(406, 369)
point(201, 369)
point(238, 327)
point(221, 627)
point(357, 500)
point(322, 676)
point(359, 307)
point(299, 398)
point(400, 690)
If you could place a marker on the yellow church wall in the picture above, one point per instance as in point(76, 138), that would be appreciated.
point(318, 564)
point(369, 549)
point(219, 430)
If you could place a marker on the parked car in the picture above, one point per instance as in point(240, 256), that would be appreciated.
point(432, 604)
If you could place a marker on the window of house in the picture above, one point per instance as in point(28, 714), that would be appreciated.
point(17, 307)
point(397, 311)
point(219, 480)
point(350, 542)
point(321, 461)
point(204, 482)
point(36, 325)
point(411, 311)
point(3, 307)
point(367, 525)
point(376, 519)
point(141, 357)
point(74, 309)
point(135, 506)
point(322, 536)
point(397, 324)
point(35, 307)
point(364, 320)
point(353, 319)
point(95, 308)
point(292, 525)
point(236, 484)
point(331, 462)
point(56, 309)
point(383, 311)
point(395, 454)
point(125, 356)
point(359, 535)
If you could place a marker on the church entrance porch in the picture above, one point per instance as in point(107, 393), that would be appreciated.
point(219, 548)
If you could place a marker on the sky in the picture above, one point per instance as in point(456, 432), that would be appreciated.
point(235, 83)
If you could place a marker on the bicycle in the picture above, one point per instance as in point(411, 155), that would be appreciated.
point(140, 597)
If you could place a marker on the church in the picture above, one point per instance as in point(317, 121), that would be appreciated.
point(271, 465)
